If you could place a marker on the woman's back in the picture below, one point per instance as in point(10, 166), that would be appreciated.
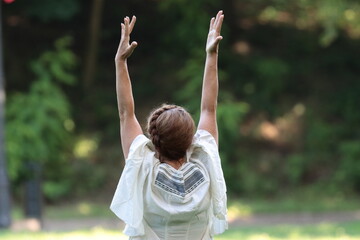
point(177, 202)
point(168, 203)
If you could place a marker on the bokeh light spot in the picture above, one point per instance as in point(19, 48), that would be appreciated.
point(9, 1)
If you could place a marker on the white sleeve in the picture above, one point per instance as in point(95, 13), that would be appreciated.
point(206, 149)
point(127, 202)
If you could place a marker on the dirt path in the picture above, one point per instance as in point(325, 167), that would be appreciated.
point(254, 220)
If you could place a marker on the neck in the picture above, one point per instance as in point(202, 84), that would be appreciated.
point(175, 163)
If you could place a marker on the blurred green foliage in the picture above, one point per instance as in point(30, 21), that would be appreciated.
point(289, 87)
point(39, 124)
point(47, 10)
point(348, 172)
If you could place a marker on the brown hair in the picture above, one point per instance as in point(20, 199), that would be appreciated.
point(171, 129)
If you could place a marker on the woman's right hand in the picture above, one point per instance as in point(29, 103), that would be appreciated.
point(212, 43)
point(125, 49)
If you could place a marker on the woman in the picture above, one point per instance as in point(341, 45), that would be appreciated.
point(172, 186)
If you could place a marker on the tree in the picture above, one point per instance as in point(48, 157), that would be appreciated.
point(5, 219)
point(39, 129)
point(92, 48)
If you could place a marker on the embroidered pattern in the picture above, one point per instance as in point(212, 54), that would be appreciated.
point(179, 182)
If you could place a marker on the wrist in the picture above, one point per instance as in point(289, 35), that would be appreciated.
point(120, 61)
point(211, 53)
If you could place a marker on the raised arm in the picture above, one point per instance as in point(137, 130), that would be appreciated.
point(129, 125)
point(210, 81)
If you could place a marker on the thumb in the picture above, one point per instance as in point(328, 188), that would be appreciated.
point(218, 39)
point(133, 45)
point(131, 48)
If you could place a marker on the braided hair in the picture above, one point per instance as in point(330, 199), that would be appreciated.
point(171, 129)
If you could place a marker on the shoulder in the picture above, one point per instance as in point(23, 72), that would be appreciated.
point(139, 146)
point(203, 136)
point(204, 150)
point(141, 153)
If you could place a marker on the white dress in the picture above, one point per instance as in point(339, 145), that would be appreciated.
point(159, 202)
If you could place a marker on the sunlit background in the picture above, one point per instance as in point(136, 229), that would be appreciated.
point(288, 111)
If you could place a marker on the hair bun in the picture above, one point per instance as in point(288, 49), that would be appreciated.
point(171, 133)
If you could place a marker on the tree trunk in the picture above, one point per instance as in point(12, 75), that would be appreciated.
point(5, 219)
point(92, 44)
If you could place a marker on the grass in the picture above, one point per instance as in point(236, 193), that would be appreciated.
point(78, 210)
point(325, 231)
point(343, 231)
point(94, 234)
point(292, 203)
point(236, 207)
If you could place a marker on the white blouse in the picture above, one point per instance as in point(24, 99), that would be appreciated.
point(159, 202)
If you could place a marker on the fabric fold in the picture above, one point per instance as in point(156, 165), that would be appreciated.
point(205, 141)
point(129, 191)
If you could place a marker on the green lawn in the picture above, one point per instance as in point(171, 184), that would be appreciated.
point(76, 210)
point(245, 207)
point(236, 207)
point(324, 231)
point(344, 231)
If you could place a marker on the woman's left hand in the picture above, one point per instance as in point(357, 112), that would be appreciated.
point(125, 49)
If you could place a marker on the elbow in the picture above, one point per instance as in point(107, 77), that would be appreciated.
point(209, 108)
point(208, 111)
point(125, 113)
point(122, 115)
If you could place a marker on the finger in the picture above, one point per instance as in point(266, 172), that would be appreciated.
point(126, 22)
point(132, 23)
point(217, 18)
point(211, 23)
point(122, 30)
point(218, 26)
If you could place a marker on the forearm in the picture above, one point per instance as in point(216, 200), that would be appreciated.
point(210, 84)
point(129, 126)
point(124, 90)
